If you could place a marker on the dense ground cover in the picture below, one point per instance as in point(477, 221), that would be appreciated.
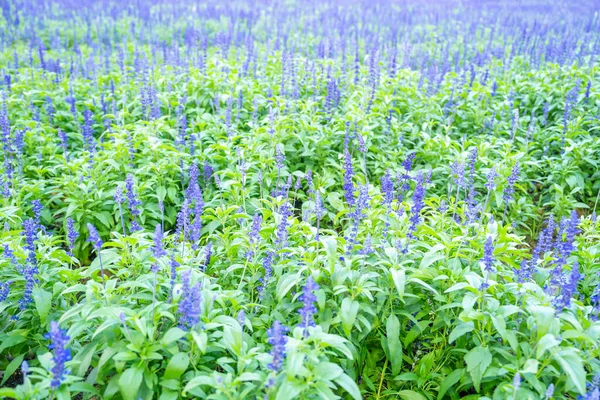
point(285, 200)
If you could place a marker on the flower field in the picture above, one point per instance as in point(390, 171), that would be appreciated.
point(288, 199)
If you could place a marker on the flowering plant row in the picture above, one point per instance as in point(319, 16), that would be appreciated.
point(290, 200)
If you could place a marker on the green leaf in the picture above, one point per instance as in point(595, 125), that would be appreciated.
point(285, 284)
point(411, 395)
point(232, 337)
point(450, 381)
point(172, 335)
point(477, 360)
point(327, 371)
point(201, 340)
point(43, 303)
point(11, 341)
point(394, 345)
point(330, 245)
point(198, 381)
point(546, 343)
point(346, 383)
point(12, 367)
point(82, 387)
point(177, 366)
point(8, 393)
point(129, 383)
point(399, 277)
point(530, 366)
point(461, 329)
point(544, 316)
point(572, 366)
point(348, 314)
point(425, 285)
point(432, 256)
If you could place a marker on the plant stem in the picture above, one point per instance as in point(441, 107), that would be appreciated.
point(381, 378)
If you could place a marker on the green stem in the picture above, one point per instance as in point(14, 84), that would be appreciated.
point(381, 379)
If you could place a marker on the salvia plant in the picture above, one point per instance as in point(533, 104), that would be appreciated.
point(299, 199)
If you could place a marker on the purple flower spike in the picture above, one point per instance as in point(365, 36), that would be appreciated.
point(278, 339)
point(190, 303)
point(58, 343)
point(94, 237)
point(309, 309)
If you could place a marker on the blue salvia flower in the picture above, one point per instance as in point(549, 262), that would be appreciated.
point(298, 184)
point(4, 290)
point(517, 381)
point(94, 237)
point(30, 233)
point(190, 303)
point(182, 219)
point(134, 203)
point(277, 339)
point(549, 391)
point(472, 209)
point(208, 255)
point(567, 246)
point(309, 182)
point(19, 143)
point(524, 272)
point(268, 271)
point(403, 180)
point(367, 248)
point(207, 172)
point(491, 179)
point(309, 308)
point(546, 110)
point(28, 271)
point(4, 188)
point(88, 133)
point(157, 249)
point(592, 394)
point(418, 203)
point(24, 370)
point(510, 188)
point(282, 229)
point(279, 157)
point(408, 162)
point(37, 208)
point(587, 90)
point(490, 185)
point(514, 176)
point(72, 235)
point(458, 172)
point(488, 255)
point(8, 253)
point(362, 203)
point(241, 318)
point(319, 212)
point(387, 189)
point(191, 188)
point(196, 227)
point(58, 344)
point(173, 265)
point(348, 176)
point(361, 143)
point(118, 195)
point(254, 234)
point(546, 241)
point(568, 289)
